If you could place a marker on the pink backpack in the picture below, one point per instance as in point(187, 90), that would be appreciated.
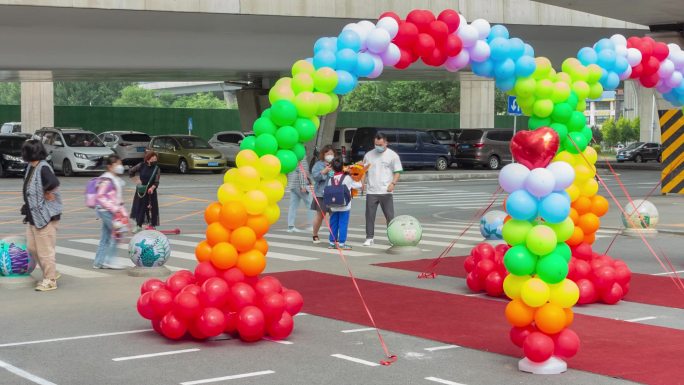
point(91, 191)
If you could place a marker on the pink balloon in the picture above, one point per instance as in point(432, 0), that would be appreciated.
point(458, 62)
point(211, 322)
point(151, 285)
point(251, 324)
point(480, 51)
point(538, 347)
point(241, 295)
point(273, 305)
point(233, 276)
point(293, 301)
point(172, 327)
point(214, 292)
point(281, 328)
point(518, 335)
point(161, 301)
point(144, 306)
point(494, 284)
point(567, 343)
point(391, 55)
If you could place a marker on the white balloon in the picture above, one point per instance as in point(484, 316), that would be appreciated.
point(563, 173)
point(482, 26)
point(625, 75)
point(633, 56)
point(621, 50)
point(480, 51)
point(618, 40)
point(675, 79)
point(457, 62)
point(666, 69)
point(540, 182)
point(378, 40)
point(379, 65)
point(391, 55)
point(390, 25)
point(678, 60)
point(512, 177)
point(674, 48)
point(367, 25)
point(468, 35)
point(462, 22)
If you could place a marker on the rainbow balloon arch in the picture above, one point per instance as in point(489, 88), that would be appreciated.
point(553, 201)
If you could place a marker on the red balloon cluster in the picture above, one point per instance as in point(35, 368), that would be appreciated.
point(212, 301)
point(599, 277)
point(539, 347)
point(424, 36)
point(652, 54)
point(486, 270)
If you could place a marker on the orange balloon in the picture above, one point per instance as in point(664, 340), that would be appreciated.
point(599, 205)
point(233, 215)
point(216, 233)
point(261, 245)
point(258, 223)
point(573, 215)
point(243, 238)
point(224, 256)
point(203, 251)
point(582, 205)
point(518, 314)
point(504, 203)
point(590, 238)
point(569, 316)
point(508, 218)
point(211, 214)
point(550, 318)
point(252, 263)
point(589, 223)
point(576, 238)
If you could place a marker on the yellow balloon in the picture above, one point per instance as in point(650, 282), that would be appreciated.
point(563, 77)
point(228, 192)
point(573, 191)
point(590, 155)
point(566, 157)
point(272, 213)
point(255, 202)
point(286, 81)
point(281, 92)
point(589, 188)
point(302, 66)
point(513, 283)
point(246, 158)
point(535, 292)
point(282, 178)
point(268, 166)
point(582, 173)
point(317, 121)
point(247, 178)
point(229, 176)
point(273, 189)
point(564, 294)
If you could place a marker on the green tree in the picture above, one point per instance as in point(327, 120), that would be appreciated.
point(135, 96)
point(88, 93)
point(597, 135)
point(610, 132)
point(624, 129)
point(199, 100)
point(10, 93)
point(636, 129)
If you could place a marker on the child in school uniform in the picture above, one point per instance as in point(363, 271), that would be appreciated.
point(339, 219)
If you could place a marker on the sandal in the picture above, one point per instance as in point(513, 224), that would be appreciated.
point(316, 239)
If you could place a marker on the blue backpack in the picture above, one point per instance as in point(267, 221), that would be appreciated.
point(337, 194)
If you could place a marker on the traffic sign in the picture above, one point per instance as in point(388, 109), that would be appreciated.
point(513, 107)
point(189, 125)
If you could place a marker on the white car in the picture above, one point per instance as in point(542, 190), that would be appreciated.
point(73, 150)
point(130, 146)
point(342, 140)
point(228, 143)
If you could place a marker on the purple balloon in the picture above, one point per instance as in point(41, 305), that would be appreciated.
point(455, 63)
point(378, 40)
point(563, 173)
point(540, 182)
point(391, 55)
point(512, 177)
point(480, 51)
point(377, 71)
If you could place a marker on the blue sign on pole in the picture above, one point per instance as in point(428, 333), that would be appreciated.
point(513, 107)
point(189, 125)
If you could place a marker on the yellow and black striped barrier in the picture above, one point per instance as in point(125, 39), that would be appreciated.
point(672, 136)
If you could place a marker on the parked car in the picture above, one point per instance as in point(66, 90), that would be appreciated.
point(416, 148)
point(10, 128)
point(11, 162)
point(342, 140)
point(446, 138)
point(73, 150)
point(228, 143)
point(640, 152)
point(488, 147)
point(130, 146)
point(187, 152)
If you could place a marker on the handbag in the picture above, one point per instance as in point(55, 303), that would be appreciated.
point(141, 189)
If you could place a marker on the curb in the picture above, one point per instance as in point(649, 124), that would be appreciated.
point(664, 231)
point(409, 177)
point(630, 166)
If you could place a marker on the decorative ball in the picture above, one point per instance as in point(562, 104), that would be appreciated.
point(491, 224)
point(642, 214)
point(404, 230)
point(149, 248)
point(15, 258)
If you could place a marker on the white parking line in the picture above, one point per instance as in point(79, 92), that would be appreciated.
point(24, 374)
point(358, 330)
point(354, 359)
point(442, 381)
point(75, 338)
point(155, 354)
point(640, 319)
point(445, 347)
point(670, 272)
point(226, 378)
point(282, 342)
point(79, 273)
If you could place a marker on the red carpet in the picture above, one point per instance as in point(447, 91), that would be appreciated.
point(636, 352)
point(645, 288)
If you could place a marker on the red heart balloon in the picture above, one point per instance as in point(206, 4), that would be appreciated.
point(536, 148)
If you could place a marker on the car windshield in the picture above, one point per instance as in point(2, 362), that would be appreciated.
point(11, 144)
point(82, 139)
point(470, 135)
point(135, 137)
point(441, 135)
point(634, 145)
point(189, 142)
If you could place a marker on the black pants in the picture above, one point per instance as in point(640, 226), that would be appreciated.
point(386, 202)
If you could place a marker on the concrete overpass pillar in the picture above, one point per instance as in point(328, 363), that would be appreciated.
point(251, 103)
point(37, 106)
point(477, 101)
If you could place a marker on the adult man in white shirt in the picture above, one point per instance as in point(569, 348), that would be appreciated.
point(381, 178)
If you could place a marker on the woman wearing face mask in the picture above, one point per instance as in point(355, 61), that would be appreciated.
point(322, 172)
point(145, 208)
point(111, 210)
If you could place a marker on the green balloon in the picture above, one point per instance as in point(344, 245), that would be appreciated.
point(264, 125)
point(536, 122)
point(519, 261)
point(287, 137)
point(288, 161)
point(577, 121)
point(561, 112)
point(515, 231)
point(573, 100)
point(525, 87)
point(575, 140)
point(543, 108)
point(300, 151)
point(587, 133)
point(266, 113)
point(248, 143)
point(561, 130)
point(552, 268)
point(305, 128)
point(563, 229)
point(283, 113)
point(563, 249)
point(541, 240)
point(266, 144)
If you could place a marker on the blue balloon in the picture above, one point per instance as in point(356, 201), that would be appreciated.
point(606, 59)
point(329, 43)
point(610, 82)
point(504, 69)
point(485, 68)
point(505, 84)
point(345, 82)
point(325, 58)
point(346, 60)
point(554, 208)
point(525, 66)
point(498, 31)
point(309, 60)
point(529, 51)
point(517, 48)
point(364, 64)
point(587, 56)
point(500, 49)
point(604, 44)
point(621, 65)
point(522, 205)
point(349, 39)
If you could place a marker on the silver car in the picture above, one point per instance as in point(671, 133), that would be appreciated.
point(73, 150)
point(228, 143)
point(130, 146)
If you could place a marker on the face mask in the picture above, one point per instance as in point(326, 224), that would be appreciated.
point(153, 163)
point(329, 158)
point(380, 148)
point(119, 169)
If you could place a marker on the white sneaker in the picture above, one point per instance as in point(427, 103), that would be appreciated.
point(291, 230)
point(369, 242)
point(113, 266)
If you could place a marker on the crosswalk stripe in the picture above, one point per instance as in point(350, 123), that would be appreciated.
point(324, 239)
point(174, 254)
point(270, 254)
point(79, 273)
point(458, 245)
point(91, 256)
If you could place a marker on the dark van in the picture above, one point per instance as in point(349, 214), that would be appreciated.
point(488, 147)
point(416, 148)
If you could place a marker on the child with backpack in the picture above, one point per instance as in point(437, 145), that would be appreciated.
point(337, 196)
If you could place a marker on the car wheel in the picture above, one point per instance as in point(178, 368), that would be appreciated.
point(441, 164)
point(67, 169)
point(638, 159)
point(2, 171)
point(217, 171)
point(494, 162)
point(660, 159)
point(182, 166)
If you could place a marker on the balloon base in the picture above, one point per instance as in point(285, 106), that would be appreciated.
point(17, 282)
point(404, 250)
point(551, 366)
point(649, 233)
point(141, 271)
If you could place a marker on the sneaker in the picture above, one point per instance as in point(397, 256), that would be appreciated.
point(98, 267)
point(47, 285)
point(296, 230)
point(113, 266)
point(332, 246)
point(345, 246)
point(291, 229)
point(137, 229)
point(369, 242)
point(316, 240)
point(57, 275)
